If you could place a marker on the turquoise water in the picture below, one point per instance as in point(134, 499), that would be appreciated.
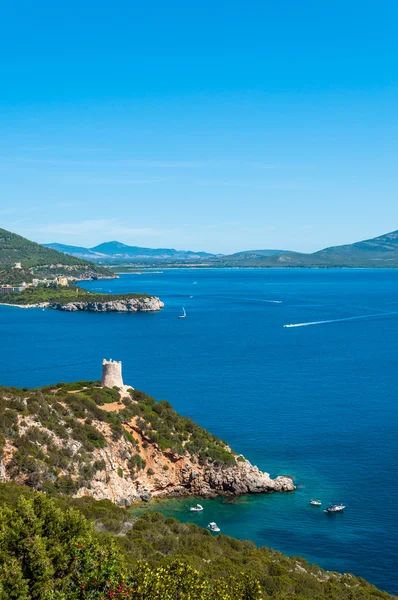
point(316, 401)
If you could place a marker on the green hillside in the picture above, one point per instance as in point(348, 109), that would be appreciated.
point(75, 414)
point(38, 261)
point(381, 251)
point(55, 547)
point(78, 549)
point(15, 248)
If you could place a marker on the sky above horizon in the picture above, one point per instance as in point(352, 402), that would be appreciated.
point(216, 126)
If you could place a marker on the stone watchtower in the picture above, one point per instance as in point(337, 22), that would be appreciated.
point(112, 373)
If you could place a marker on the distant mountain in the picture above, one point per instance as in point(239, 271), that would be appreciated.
point(118, 251)
point(78, 251)
point(383, 247)
point(37, 260)
point(381, 251)
point(254, 254)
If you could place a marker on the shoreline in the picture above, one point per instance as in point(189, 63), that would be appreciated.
point(22, 305)
point(143, 270)
point(131, 305)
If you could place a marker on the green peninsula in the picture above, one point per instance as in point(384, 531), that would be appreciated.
point(75, 298)
point(61, 294)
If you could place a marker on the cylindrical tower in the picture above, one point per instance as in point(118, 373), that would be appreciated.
point(112, 373)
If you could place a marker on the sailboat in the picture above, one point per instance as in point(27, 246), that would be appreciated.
point(184, 314)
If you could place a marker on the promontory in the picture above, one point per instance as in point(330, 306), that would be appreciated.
point(75, 298)
point(118, 444)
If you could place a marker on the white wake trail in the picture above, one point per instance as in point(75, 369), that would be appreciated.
point(341, 320)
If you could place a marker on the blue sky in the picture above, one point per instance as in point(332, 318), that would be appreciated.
point(215, 126)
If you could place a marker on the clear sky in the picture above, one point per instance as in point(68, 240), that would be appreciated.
point(210, 125)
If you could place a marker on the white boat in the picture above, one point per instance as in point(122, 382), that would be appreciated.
point(316, 503)
point(213, 527)
point(197, 508)
point(334, 508)
point(184, 314)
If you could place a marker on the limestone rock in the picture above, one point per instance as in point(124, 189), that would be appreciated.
point(159, 473)
point(142, 304)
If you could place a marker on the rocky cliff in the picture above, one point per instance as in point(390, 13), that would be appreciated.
point(144, 304)
point(117, 444)
point(139, 304)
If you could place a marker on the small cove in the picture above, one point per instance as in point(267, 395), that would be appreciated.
point(318, 403)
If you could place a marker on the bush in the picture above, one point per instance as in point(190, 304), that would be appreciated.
point(50, 552)
point(136, 463)
point(99, 465)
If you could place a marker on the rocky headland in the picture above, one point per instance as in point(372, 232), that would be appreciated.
point(168, 474)
point(119, 445)
point(139, 304)
point(144, 304)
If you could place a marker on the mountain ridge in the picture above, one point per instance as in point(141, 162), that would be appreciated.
point(118, 250)
point(380, 251)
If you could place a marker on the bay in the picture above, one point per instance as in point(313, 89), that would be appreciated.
point(316, 401)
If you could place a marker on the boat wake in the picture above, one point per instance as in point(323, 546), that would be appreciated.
point(379, 315)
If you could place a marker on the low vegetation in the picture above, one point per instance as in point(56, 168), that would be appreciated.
point(50, 436)
point(163, 426)
point(61, 295)
point(60, 548)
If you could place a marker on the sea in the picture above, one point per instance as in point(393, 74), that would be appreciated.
point(316, 400)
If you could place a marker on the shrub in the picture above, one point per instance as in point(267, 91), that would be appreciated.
point(49, 551)
point(99, 465)
point(136, 463)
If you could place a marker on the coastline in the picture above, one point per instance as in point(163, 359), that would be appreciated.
point(143, 304)
point(22, 305)
point(124, 459)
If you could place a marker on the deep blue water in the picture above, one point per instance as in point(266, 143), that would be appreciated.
point(318, 402)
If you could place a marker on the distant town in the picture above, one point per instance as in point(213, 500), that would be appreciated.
point(20, 287)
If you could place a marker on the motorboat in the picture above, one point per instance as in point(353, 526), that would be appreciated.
point(213, 527)
point(335, 508)
point(197, 508)
point(316, 502)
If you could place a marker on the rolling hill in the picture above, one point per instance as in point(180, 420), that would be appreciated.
point(381, 251)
